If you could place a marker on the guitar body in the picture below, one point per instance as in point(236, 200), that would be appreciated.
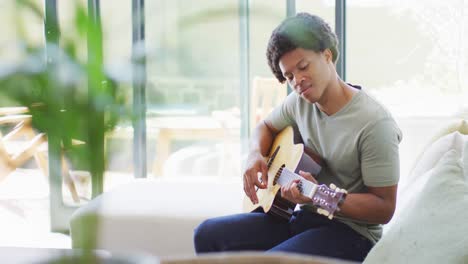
point(284, 153)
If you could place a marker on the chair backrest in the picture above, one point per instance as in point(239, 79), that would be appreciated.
point(267, 93)
point(23, 143)
point(24, 149)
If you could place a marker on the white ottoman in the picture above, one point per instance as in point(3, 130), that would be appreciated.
point(156, 216)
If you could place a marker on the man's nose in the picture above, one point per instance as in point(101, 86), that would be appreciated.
point(297, 81)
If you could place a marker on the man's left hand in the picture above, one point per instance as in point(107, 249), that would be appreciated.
point(291, 192)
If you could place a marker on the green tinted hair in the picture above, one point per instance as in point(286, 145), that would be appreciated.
point(300, 31)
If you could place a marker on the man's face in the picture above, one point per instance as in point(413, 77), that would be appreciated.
point(308, 72)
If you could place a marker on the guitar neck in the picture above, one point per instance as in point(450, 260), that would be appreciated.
point(308, 188)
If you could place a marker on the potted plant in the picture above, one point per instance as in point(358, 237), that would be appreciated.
point(69, 98)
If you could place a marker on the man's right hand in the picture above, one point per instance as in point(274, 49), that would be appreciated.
point(255, 166)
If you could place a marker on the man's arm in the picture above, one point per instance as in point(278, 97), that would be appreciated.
point(379, 157)
point(260, 144)
point(377, 206)
point(262, 138)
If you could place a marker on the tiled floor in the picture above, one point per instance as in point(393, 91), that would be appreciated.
point(24, 209)
point(24, 212)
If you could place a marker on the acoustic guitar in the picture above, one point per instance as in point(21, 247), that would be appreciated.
point(284, 162)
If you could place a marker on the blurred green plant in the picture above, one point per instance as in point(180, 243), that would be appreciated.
point(67, 96)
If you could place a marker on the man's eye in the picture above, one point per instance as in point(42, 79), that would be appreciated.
point(303, 67)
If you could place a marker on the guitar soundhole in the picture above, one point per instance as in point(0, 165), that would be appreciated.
point(272, 157)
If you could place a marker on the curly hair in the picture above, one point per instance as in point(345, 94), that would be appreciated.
point(300, 31)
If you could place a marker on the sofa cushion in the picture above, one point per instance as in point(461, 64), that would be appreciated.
point(417, 178)
point(448, 137)
point(436, 150)
point(156, 216)
point(432, 228)
point(458, 125)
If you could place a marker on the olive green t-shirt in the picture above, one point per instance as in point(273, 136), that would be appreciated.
point(359, 145)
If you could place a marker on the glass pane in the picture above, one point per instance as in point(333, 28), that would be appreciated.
point(264, 17)
point(323, 8)
point(8, 45)
point(76, 187)
point(19, 27)
point(69, 33)
point(116, 50)
point(24, 189)
point(116, 18)
point(265, 91)
point(413, 57)
point(193, 91)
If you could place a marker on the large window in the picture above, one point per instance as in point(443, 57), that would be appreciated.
point(324, 8)
point(193, 87)
point(264, 17)
point(412, 55)
point(200, 56)
point(20, 28)
point(116, 19)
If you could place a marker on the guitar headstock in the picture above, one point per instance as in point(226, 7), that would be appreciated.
point(328, 199)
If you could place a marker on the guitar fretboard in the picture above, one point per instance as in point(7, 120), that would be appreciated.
point(308, 188)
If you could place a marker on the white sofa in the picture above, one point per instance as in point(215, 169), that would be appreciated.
point(159, 216)
point(156, 216)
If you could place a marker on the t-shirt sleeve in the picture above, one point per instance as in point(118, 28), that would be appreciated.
point(380, 162)
point(284, 114)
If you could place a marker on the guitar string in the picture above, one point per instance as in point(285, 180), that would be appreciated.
point(290, 175)
point(329, 203)
point(306, 184)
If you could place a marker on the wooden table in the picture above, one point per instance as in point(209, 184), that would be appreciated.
point(220, 126)
point(171, 129)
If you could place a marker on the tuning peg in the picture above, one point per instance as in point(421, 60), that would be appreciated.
point(332, 186)
point(343, 191)
point(330, 216)
point(323, 212)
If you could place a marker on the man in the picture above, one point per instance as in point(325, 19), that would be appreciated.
point(356, 137)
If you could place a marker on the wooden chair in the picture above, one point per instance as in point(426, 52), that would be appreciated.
point(21, 143)
point(267, 93)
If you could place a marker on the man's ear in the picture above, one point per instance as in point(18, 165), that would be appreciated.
point(328, 55)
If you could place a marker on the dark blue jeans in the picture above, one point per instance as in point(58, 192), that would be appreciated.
point(305, 233)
